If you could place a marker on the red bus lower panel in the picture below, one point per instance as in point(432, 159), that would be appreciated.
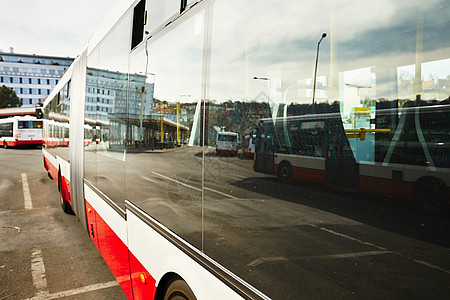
point(144, 286)
point(111, 247)
point(382, 186)
point(65, 189)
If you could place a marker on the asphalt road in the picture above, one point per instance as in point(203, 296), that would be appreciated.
point(295, 241)
point(44, 253)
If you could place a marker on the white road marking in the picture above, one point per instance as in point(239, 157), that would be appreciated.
point(77, 291)
point(26, 192)
point(261, 260)
point(220, 193)
point(38, 272)
point(383, 250)
point(351, 238)
point(354, 254)
point(179, 182)
point(193, 187)
point(431, 266)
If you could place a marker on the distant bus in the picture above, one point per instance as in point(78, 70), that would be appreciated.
point(20, 131)
point(405, 155)
point(227, 142)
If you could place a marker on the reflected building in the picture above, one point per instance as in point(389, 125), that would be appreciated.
point(32, 77)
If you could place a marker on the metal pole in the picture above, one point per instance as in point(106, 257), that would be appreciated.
point(315, 70)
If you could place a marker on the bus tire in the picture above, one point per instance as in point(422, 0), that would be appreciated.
point(178, 289)
point(430, 194)
point(64, 204)
point(285, 172)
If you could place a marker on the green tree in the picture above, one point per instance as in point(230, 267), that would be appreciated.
point(8, 98)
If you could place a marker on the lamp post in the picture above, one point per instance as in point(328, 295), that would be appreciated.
point(315, 70)
point(266, 79)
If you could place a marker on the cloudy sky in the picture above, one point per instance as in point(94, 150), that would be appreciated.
point(50, 27)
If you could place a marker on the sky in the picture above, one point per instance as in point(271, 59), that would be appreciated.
point(50, 27)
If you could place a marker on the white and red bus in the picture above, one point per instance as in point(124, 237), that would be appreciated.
point(20, 131)
point(402, 154)
point(184, 222)
point(227, 142)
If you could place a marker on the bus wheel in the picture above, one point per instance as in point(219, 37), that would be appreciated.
point(178, 289)
point(431, 195)
point(285, 172)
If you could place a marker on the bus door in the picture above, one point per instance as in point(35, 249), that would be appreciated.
point(264, 150)
point(341, 168)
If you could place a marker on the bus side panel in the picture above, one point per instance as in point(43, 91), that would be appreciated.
point(65, 179)
point(51, 164)
point(153, 253)
point(144, 285)
point(379, 180)
point(109, 228)
point(310, 175)
point(65, 189)
point(381, 186)
point(115, 254)
point(91, 223)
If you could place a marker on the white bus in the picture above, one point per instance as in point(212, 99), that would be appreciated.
point(184, 222)
point(20, 131)
point(227, 142)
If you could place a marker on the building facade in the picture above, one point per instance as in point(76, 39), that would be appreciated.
point(32, 77)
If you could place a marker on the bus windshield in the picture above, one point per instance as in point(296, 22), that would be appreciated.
point(29, 124)
point(227, 138)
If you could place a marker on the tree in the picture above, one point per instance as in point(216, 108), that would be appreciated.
point(8, 98)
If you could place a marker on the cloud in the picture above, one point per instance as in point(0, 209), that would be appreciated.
point(50, 27)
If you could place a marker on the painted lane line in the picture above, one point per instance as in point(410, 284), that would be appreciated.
point(354, 254)
point(383, 250)
point(38, 272)
point(26, 192)
point(220, 193)
point(431, 266)
point(351, 238)
point(193, 187)
point(262, 260)
point(178, 182)
point(77, 291)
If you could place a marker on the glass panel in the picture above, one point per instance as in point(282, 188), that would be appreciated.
point(111, 103)
point(159, 12)
point(362, 108)
point(90, 117)
point(56, 133)
point(164, 171)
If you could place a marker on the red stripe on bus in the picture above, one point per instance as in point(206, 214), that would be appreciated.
point(51, 169)
point(311, 175)
point(383, 186)
point(65, 189)
point(144, 285)
point(111, 247)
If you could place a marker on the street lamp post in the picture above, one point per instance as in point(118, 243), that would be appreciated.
point(315, 70)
